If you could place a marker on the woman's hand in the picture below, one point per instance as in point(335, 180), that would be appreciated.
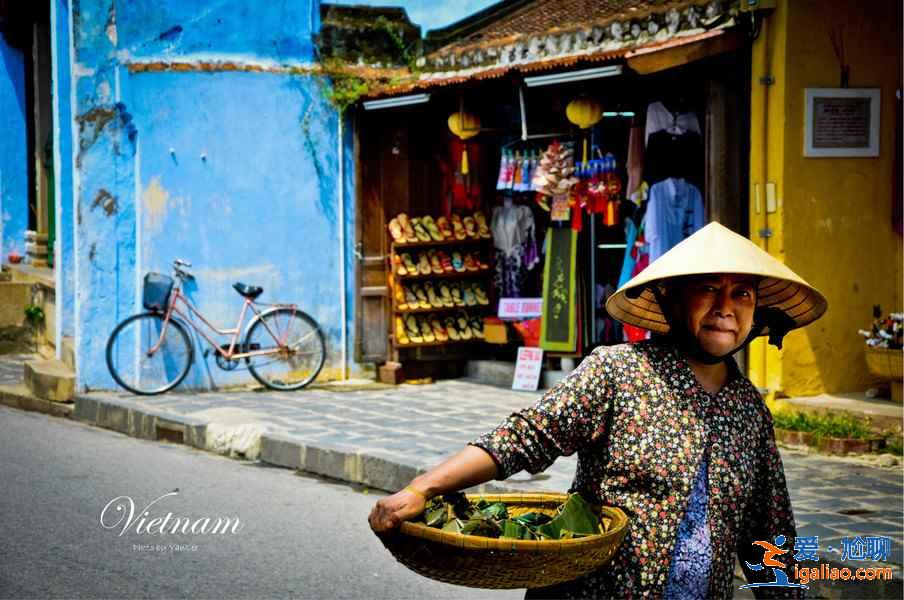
point(390, 512)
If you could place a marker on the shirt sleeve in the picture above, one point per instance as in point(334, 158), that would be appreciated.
point(568, 417)
point(768, 515)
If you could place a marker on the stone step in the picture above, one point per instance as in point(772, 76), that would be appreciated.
point(67, 353)
point(50, 380)
point(500, 373)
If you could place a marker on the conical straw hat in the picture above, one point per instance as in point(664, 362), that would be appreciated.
point(711, 250)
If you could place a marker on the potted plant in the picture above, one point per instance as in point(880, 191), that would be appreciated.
point(34, 314)
point(884, 356)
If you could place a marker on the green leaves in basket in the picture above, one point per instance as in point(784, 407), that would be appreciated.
point(481, 526)
point(515, 530)
point(532, 519)
point(496, 510)
point(461, 508)
point(435, 516)
point(576, 517)
point(453, 526)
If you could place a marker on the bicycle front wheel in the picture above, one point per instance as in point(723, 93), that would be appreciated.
point(135, 367)
point(289, 349)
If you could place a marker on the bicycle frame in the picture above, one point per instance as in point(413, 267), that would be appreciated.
point(230, 353)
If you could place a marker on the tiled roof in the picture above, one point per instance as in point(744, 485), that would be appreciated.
point(546, 34)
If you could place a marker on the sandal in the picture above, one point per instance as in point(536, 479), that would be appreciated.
point(409, 264)
point(470, 263)
point(435, 302)
point(406, 228)
point(445, 261)
point(423, 264)
point(432, 229)
point(477, 327)
point(400, 298)
point(470, 227)
point(401, 336)
point(468, 293)
point(457, 299)
point(411, 328)
point(458, 228)
point(426, 331)
point(434, 262)
point(445, 295)
point(481, 295)
point(451, 330)
point(411, 302)
point(398, 267)
point(457, 263)
point(438, 331)
point(419, 230)
point(463, 329)
point(398, 236)
point(422, 300)
point(482, 227)
point(444, 228)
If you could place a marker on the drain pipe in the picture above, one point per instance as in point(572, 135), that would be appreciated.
point(342, 306)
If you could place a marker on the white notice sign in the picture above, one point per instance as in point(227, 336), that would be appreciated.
point(527, 369)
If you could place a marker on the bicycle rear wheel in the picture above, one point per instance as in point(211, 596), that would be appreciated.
point(136, 370)
point(295, 345)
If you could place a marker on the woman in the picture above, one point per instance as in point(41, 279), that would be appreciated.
point(668, 429)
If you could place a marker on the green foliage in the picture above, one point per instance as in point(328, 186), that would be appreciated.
point(834, 425)
point(346, 90)
point(894, 444)
point(34, 314)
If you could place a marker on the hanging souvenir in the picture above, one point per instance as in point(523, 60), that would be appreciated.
point(585, 112)
point(554, 175)
point(464, 126)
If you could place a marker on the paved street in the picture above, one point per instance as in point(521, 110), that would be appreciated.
point(302, 537)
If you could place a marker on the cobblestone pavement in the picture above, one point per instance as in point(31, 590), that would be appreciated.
point(832, 497)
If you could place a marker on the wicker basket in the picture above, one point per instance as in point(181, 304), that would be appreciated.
point(483, 562)
point(887, 364)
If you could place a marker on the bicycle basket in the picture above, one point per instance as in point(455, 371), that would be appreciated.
point(157, 289)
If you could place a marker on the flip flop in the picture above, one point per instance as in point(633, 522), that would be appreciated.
point(456, 296)
point(435, 264)
point(482, 228)
point(432, 229)
point(458, 228)
point(463, 329)
point(438, 330)
point(400, 298)
point(484, 265)
point(477, 327)
point(451, 330)
point(445, 294)
point(470, 263)
point(423, 264)
point(407, 228)
point(457, 262)
point(409, 264)
point(419, 230)
point(398, 266)
point(468, 293)
point(411, 328)
point(444, 228)
point(401, 336)
point(422, 300)
point(481, 295)
point(398, 236)
point(410, 299)
point(445, 261)
point(426, 331)
point(431, 296)
point(470, 227)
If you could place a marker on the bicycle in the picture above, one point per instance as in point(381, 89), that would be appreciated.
point(151, 352)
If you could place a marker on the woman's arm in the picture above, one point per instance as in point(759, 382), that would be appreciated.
point(472, 466)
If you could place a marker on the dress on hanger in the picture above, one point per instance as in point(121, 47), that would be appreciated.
point(516, 252)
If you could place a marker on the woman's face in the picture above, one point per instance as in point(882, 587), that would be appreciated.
point(719, 310)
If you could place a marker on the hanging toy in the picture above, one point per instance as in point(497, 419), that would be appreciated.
point(585, 112)
point(464, 126)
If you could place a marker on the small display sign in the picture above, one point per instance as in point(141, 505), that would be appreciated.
point(520, 308)
point(527, 369)
point(841, 122)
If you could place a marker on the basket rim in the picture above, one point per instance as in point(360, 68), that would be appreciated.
point(458, 540)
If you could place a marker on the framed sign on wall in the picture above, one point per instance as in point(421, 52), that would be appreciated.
point(841, 122)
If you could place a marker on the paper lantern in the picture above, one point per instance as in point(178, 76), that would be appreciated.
point(584, 112)
point(464, 126)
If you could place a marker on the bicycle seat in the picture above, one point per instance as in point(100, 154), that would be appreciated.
point(248, 291)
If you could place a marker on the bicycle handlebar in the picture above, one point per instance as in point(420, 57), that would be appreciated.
point(181, 263)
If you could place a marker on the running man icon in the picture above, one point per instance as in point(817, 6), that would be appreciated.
point(770, 551)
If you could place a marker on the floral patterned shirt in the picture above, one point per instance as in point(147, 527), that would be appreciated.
point(641, 423)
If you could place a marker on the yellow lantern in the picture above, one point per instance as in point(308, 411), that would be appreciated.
point(464, 126)
point(584, 112)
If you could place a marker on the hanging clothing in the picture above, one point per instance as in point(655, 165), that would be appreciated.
point(516, 248)
point(630, 253)
point(660, 118)
point(674, 212)
point(635, 160)
point(673, 155)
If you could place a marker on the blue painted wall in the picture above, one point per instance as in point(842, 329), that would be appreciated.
point(63, 166)
point(13, 152)
point(232, 170)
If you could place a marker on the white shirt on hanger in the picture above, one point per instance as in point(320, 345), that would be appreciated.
point(659, 118)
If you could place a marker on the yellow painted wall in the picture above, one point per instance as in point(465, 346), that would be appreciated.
point(834, 218)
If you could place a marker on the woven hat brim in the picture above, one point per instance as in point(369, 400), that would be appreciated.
point(717, 250)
